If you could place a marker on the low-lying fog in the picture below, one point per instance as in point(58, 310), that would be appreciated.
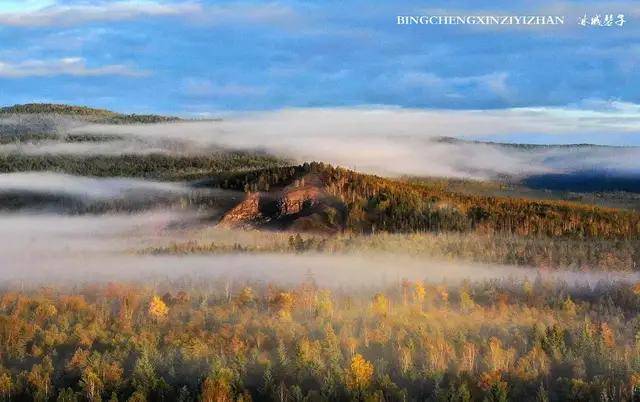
point(51, 249)
point(382, 141)
point(397, 142)
point(88, 187)
point(39, 192)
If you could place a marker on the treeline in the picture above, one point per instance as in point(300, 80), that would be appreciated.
point(378, 204)
point(13, 201)
point(152, 166)
point(216, 340)
point(7, 137)
point(503, 249)
point(34, 137)
point(85, 137)
point(522, 147)
point(86, 113)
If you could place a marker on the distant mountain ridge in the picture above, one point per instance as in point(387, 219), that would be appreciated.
point(523, 146)
point(85, 113)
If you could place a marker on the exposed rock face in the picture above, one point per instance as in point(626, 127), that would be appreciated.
point(244, 213)
point(304, 203)
point(301, 194)
point(294, 200)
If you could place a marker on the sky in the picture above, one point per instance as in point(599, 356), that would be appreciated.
point(207, 58)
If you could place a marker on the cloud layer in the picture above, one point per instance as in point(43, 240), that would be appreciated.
point(81, 13)
point(74, 66)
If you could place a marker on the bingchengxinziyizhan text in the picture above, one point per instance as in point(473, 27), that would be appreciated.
point(596, 20)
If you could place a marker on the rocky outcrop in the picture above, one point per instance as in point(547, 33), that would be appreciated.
point(304, 203)
point(246, 212)
point(293, 201)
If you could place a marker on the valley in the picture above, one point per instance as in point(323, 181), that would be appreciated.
point(158, 266)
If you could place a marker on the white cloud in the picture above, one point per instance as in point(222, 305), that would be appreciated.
point(66, 66)
point(75, 14)
point(78, 13)
point(24, 5)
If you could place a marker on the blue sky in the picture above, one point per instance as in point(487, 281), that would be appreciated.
point(193, 57)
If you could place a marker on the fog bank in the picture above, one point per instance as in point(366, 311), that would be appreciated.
point(396, 142)
point(50, 249)
point(88, 187)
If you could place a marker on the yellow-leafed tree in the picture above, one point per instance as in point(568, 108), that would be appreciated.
point(158, 309)
point(359, 374)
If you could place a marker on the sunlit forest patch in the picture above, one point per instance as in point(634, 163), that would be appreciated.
point(217, 340)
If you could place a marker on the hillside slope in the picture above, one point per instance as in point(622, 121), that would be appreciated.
point(85, 113)
point(320, 197)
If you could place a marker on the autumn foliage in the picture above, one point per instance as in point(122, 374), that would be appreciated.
point(411, 340)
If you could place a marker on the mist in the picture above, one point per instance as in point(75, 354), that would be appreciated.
point(86, 187)
point(39, 249)
point(394, 142)
point(44, 248)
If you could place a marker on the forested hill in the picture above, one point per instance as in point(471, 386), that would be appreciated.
point(319, 196)
point(85, 113)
